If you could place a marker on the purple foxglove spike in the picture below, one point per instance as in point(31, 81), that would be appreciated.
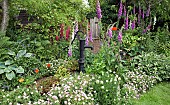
point(134, 10)
point(148, 11)
point(98, 10)
point(91, 36)
point(108, 43)
point(120, 36)
point(144, 31)
point(124, 11)
point(87, 40)
point(120, 10)
point(110, 32)
point(143, 14)
point(126, 24)
point(138, 18)
point(69, 52)
point(76, 28)
point(140, 12)
point(149, 27)
point(133, 25)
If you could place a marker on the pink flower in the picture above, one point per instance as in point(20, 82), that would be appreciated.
point(98, 10)
point(127, 23)
point(69, 52)
point(110, 32)
point(67, 33)
point(120, 10)
point(90, 36)
point(87, 40)
point(54, 97)
point(120, 36)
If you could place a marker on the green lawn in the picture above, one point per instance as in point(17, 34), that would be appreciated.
point(158, 95)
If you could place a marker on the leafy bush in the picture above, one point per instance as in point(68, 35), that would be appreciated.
point(153, 65)
point(22, 95)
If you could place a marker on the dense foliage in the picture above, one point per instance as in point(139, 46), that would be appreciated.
point(39, 61)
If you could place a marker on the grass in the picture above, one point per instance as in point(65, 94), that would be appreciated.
point(158, 95)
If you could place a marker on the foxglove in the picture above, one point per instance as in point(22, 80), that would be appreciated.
point(134, 10)
point(90, 36)
point(120, 10)
point(148, 11)
point(70, 52)
point(138, 19)
point(133, 25)
point(124, 11)
point(76, 28)
point(109, 32)
point(98, 10)
point(143, 14)
point(87, 40)
point(120, 36)
point(126, 23)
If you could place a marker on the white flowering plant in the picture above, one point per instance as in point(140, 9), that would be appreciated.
point(72, 90)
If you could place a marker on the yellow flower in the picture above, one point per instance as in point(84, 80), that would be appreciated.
point(21, 80)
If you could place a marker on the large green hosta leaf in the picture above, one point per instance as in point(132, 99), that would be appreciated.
point(21, 53)
point(1, 71)
point(10, 75)
point(19, 70)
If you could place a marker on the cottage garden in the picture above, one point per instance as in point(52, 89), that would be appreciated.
point(39, 51)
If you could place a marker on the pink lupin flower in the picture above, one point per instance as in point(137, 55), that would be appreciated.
point(98, 10)
point(68, 33)
point(120, 10)
point(61, 30)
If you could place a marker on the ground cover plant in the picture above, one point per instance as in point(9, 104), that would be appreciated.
point(39, 57)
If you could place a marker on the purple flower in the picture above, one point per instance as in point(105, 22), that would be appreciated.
point(147, 28)
point(120, 10)
point(126, 24)
point(76, 28)
point(90, 36)
point(133, 25)
point(110, 32)
point(144, 31)
point(87, 40)
point(69, 52)
point(98, 10)
point(124, 11)
point(140, 12)
point(134, 10)
point(120, 36)
point(143, 14)
point(148, 11)
point(138, 18)
point(108, 43)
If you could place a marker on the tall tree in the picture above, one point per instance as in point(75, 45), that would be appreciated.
point(5, 16)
